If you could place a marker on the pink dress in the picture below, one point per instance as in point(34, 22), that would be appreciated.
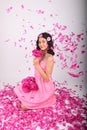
point(43, 97)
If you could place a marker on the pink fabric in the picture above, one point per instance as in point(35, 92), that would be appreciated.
point(43, 97)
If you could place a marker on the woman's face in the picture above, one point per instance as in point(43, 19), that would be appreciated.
point(42, 43)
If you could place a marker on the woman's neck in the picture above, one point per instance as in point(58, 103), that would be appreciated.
point(44, 52)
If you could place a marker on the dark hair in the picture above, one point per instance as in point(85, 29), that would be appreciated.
point(48, 37)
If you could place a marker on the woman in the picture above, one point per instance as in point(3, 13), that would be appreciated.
point(45, 95)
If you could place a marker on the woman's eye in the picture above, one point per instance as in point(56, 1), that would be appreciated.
point(43, 41)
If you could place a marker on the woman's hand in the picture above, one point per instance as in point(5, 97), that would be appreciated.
point(36, 61)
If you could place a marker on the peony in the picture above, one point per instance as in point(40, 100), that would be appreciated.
point(29, 84)
point(37, 53)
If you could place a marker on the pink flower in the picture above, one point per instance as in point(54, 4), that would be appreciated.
point(48, 38)
point(37, 53)
point(52, 48)
point(29, 84)
point(40, 35)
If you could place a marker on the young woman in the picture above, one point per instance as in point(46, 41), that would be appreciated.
point(45, 95)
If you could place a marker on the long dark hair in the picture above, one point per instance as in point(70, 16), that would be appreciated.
point(48, 37)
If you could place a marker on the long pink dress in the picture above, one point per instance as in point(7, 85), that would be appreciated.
point(43, 97)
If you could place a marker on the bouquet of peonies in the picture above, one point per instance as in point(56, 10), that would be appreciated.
point(37, 53)
point(29, 84)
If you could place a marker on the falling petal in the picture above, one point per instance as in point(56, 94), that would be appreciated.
point(22, 6)
point(76, 75)
point(8, 10)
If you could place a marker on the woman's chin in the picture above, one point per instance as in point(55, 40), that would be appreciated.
point(42, 49)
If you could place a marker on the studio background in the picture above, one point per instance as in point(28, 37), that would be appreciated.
point(22, 21)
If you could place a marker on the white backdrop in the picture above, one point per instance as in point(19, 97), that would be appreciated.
point(22, 21)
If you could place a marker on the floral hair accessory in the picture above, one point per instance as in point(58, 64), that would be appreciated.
point(40, 35)
point(52, 48)
point(48, 39)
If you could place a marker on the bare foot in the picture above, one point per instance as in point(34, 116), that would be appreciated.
point(23, 107)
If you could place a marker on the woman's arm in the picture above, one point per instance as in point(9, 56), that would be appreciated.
point(49, 68)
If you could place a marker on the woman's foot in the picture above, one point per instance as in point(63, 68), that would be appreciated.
point(23, 107)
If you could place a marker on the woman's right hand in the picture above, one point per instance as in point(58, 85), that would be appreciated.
point(36, 61)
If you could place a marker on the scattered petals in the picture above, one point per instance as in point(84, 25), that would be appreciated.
point(8, 10)
point(69, 112)
point(40, 11)
point(7, 40)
